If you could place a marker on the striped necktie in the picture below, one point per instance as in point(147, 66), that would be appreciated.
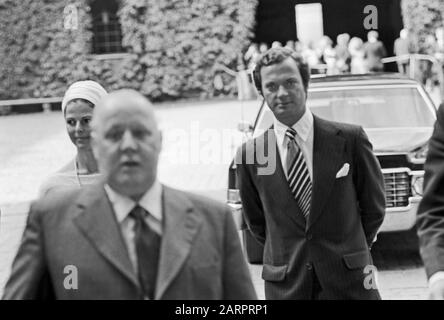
point(297, 173)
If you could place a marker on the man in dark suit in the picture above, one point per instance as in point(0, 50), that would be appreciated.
point(318, 212)
point(430, 220)
point(129, 237)
point(374, 51)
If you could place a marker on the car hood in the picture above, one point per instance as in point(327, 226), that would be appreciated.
point(398, 139)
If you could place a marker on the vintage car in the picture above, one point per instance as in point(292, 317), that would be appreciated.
point(398, 116)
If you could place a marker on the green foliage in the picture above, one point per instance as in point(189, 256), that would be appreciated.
point(177, 44)
point(173, 46)
point(422, 17)
point(39, 56)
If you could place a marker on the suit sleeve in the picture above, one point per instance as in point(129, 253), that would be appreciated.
point(383, 51)
point(29, 277)
point(251, 203)
point(369, 183)
point(237, 282)
point(430, 217)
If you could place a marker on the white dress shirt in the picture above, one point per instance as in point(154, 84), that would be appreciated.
point(151, 201)
point(304, 139)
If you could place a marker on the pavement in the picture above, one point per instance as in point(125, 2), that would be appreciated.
point(34, 145)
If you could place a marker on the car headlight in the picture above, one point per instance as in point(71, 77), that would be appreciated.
point(417, 185)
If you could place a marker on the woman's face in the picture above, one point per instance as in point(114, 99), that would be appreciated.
point(78, 115)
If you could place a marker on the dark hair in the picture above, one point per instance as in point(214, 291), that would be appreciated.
point(277, 55)
point(89, 103)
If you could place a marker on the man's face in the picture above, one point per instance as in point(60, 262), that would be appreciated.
point(127, 144)
point(284, 91)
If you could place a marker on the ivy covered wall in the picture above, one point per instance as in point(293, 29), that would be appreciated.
point(173, 47)
point(422, 17)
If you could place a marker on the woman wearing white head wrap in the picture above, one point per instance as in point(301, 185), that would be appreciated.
point(77, 108)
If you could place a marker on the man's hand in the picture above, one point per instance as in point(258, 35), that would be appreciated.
point(436, 291)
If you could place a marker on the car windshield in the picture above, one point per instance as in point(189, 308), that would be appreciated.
point(380, 107)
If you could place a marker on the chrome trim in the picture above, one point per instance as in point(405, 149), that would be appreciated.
point(403, 169)
point(400, 191)
point(417, 173)
point(412, 201)
point(391, 153)
point(361, 86)
point(395, 170)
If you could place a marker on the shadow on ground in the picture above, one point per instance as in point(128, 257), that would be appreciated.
point(397, 251)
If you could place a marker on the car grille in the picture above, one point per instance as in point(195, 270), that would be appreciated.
point(397, 189)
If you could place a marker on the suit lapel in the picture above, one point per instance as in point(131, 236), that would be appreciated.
point(181, 223)
point(97, 222)
point(278, 180)
point(327, 151)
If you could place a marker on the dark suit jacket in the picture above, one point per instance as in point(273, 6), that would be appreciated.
point(373, 53)
point(200, 257)
point(430, 222)
point(344, 218)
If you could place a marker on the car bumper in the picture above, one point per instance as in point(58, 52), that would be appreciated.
point(401, 219)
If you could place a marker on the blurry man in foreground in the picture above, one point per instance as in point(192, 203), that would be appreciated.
point(128, 237)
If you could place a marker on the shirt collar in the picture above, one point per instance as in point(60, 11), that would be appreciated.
point(302, 127)
point(151, 201)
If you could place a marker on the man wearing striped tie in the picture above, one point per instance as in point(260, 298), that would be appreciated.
point(318, 212)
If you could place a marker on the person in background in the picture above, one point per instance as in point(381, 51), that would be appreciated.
point(426, 66)
point(403, 46)
point(263, 47)
point(276, 44)
point(298, 46)
point(310, 56)
point(329, 55)
point(374, 51)
point(77, 108)
point(251, 55)
point(356, 49)
point(290, 45)
point(342, 54)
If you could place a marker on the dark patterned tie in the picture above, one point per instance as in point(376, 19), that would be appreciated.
point(297, 173)
point(147, 244)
